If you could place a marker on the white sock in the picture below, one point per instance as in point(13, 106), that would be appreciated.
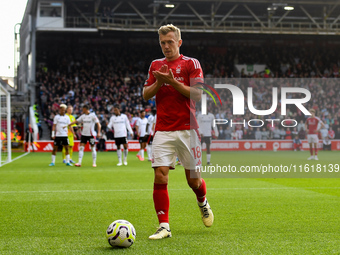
point(165, 225)
point(53, 159)
point(203, 203)
point(94, 154)
point(68, 158)
point(208, 157)
point(119, 154)
point(126, 151)
point(141, 153)
point(149, 150)
point(81, 154)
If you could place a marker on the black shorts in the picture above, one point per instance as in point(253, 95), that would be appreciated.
point(61, 141)
point(143, 139)
point(206, 139)
point(150, 139)
point(90, 139)
point(120, 140)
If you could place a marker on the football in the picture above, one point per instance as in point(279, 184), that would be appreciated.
point(121, 233)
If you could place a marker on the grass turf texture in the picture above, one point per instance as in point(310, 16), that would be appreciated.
point(66, 210)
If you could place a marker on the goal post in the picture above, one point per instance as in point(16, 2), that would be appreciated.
point(5, 126)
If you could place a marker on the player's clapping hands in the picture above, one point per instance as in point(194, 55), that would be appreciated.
point(164, 75)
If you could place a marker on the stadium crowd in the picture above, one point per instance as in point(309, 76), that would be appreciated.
point(101, 77)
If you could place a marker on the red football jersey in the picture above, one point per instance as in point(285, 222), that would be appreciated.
point(312, 124)
point(174, 110)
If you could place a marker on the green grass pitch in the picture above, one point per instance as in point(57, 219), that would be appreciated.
point(66, 210)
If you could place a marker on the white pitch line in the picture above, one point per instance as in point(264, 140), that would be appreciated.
point(139, 190)
point(23, 155)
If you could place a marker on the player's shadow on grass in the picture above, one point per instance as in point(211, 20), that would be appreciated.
point(114, 249)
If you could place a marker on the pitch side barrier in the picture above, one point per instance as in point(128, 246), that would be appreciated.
point(217, 145)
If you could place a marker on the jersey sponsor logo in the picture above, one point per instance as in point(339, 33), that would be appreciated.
point(118, 121)
point(179, 78)
point(48, 147)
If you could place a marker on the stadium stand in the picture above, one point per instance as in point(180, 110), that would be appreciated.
point(102, 76)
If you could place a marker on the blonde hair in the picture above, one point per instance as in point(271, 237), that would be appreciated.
point(163, 30)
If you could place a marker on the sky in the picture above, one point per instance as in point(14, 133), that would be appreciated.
point(11, 13)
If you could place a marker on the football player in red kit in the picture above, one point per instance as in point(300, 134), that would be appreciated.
point(313, 126)
point(176, 130)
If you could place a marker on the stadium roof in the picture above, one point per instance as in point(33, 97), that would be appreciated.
point(242, 16)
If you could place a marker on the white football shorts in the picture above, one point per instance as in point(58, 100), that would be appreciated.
point(185, 144)
point(312, 138)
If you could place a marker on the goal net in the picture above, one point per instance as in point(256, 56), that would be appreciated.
point(5, 126)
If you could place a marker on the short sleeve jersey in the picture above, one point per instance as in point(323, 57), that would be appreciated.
point(174, 110)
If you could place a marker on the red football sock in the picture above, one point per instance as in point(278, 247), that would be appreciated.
point(161, 201)
point(316, 151)
point(201, 192)
point(311, 151)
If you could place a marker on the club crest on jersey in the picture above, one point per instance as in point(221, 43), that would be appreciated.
point(178, 69)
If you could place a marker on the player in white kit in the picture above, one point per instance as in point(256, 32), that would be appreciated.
point(60, 134)
point(141, 132)
point(206, 125)
point(150, 132)
point(119, 122)
point(88, 134)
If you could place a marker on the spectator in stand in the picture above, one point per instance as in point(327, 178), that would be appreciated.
point(250, 133)
point(288, 134)
point(327, 144)
point(43, 100)
point(264, 134)
point(221, 135)
point(302, 133)
point(324, 133)
point(331, 133)
point(234, 135)
point(337, 133)
point(258, 134)
point(276, 133)
point(301, 125)
point(239, 133)
point(297, 144)
point(295, 132)
point(282, 134)
point(227, 133)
